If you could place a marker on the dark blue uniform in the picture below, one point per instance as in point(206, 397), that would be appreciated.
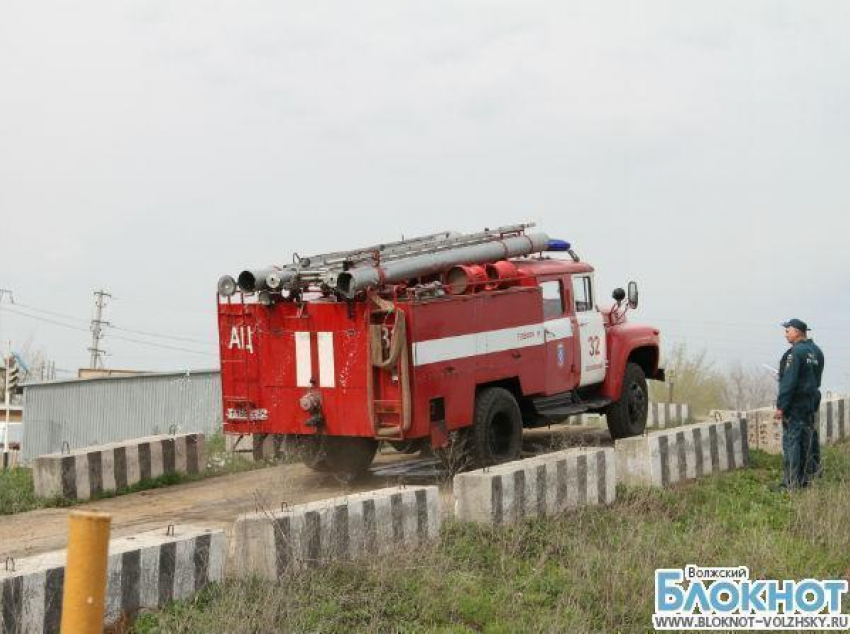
point(799, 397)
point(812, 465)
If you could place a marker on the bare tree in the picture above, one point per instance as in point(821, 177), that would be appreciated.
point(37, 366)
point(693, 378)
point(748, 387)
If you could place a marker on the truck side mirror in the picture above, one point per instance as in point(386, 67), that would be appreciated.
point(633, 295)
point(619, 295)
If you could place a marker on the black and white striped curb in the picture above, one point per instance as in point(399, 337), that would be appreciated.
point(665, 457)
point(86, 472)
point(658, 416)
point(765, 431)
point(663, 415)
point(543, 485)
point(271, 544)
point(256, 447)
point(832, 419)
point(144, 571)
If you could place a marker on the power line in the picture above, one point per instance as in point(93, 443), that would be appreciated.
point(740, 324)
point(158, 336)
point(53, 313)
point(164, 346)
point(45, 319)
point(744, 342)
point(112, 326)
point(151, 344)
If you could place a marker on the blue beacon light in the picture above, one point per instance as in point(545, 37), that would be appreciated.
point(559, 245)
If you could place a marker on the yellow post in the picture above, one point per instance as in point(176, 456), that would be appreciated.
point(83, 601)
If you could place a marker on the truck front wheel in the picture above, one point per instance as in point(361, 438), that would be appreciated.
point(627, 416)
point(497, 428)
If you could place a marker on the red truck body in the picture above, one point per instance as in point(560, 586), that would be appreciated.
point(538, 335)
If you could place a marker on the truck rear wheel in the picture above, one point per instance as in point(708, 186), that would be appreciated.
point(627, 416)
point(348, 457)
point(408, 446)
point(312, 451)
point(496, 434)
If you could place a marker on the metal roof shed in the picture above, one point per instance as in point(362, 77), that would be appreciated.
point(83, 412)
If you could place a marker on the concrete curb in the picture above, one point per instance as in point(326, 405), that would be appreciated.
point(832, 419)
point(144, 571)
point(663, 415)
point(765, 432)
point(659, 416)
point(543, 485)
point(665, 457)
point(272, 544)
point(84, 473)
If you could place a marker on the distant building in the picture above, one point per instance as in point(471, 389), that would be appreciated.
point(77, 412)
point(89, 373)
point(16, 414)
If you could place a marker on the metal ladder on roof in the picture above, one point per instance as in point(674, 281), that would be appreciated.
point(317, 267)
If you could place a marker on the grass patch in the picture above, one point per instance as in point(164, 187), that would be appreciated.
point(17, 489)
point(588, 571)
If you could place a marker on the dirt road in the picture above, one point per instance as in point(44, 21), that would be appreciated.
point(216, 502)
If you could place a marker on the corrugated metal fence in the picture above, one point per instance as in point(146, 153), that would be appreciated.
point(95, 411)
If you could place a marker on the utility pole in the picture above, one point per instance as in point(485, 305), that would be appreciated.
point(10, 383)
point(97, 329)
point(7, 378)
point(7, 401)
point(4, 292)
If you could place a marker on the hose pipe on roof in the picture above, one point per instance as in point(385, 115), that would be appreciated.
point(351, 282)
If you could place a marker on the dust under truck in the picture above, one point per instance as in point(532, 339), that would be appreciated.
point(426, 341)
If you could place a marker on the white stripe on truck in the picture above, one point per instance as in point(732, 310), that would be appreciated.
point(489, 341)
point(327, 373)
point(303, 359)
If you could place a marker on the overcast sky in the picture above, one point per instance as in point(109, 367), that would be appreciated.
point(701, 148)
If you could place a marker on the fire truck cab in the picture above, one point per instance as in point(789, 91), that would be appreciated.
point(444, 344)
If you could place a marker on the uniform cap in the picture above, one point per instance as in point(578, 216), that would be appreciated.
point(796, 323)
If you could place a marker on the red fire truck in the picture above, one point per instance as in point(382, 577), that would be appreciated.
point(428, 340)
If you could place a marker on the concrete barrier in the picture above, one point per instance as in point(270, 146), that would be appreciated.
point(658, 416)
point(144, 571)
point(832, 420)
point(272, 544)
point(764, 431)
point(588, 420)
point(543, 485)
point(665, 457)
point(663, 415)
point(90, 471)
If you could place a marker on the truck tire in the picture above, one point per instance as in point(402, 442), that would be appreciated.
point(627, 416)
point(348, 457)
point(496, 434)
point(408, 446)
point(312, 451)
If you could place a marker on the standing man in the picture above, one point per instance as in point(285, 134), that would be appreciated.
point(796, 405)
